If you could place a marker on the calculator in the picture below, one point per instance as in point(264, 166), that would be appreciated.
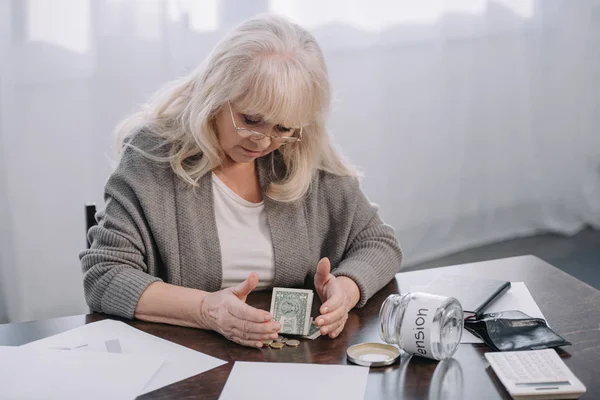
point(535, 374)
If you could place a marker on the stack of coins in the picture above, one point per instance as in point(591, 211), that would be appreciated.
point(281, 342)
point(281, 339)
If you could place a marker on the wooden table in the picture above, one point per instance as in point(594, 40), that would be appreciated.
point(571, 307)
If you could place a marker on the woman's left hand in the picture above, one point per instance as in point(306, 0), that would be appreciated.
point(338, 295)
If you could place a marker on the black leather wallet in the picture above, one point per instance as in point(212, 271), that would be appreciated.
point(514, 330)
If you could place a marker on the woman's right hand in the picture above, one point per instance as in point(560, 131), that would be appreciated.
point(226, 312)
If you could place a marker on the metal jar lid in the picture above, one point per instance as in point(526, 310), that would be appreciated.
point(373, 354)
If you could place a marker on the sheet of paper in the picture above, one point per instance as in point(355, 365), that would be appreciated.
point(29, 373)
point(179, 361)
point(101, 346)
point(515, 298)
point(277, 381)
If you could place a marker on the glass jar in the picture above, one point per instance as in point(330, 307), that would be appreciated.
point(422, 324)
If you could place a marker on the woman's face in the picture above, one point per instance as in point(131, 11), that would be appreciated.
point(246, 150)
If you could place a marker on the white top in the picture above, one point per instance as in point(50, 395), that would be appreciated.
point(244, 237)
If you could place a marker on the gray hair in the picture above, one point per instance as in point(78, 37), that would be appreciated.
point(268, 66)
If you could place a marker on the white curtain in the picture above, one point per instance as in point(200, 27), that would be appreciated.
point(472, 120)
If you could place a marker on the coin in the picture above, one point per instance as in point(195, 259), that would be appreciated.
point(281, 339)
point(293, 343)
point(277, 345)
point(267, 342)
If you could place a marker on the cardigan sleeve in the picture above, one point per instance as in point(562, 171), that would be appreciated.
point(115, 269)
point(373, 255)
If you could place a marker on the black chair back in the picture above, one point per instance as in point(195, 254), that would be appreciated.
point(90, 220)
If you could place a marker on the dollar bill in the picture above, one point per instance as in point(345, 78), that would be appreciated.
point(292, 308)
point(313, 332)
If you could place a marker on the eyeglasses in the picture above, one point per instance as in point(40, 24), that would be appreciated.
point(258, 136)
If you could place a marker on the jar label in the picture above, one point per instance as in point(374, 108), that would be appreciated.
point(415, 332)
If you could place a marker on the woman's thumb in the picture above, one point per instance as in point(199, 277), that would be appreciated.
point(323, 268)
point(243, 289)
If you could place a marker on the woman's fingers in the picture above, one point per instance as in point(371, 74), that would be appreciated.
point(339, 329)
point(236, 332)
point(331, 327)
point(244, 312)
point(335, 314)
point(249, 323)
point(332, 316)
point(337, 300)
point(255, 327)
point(247, 343)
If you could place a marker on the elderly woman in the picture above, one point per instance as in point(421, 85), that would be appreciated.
point(228, 183)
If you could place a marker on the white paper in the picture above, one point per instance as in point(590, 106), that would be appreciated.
point(179, 361)
point(101, 346)
point(515, 298)
point(29, 373)
point(276, 381)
